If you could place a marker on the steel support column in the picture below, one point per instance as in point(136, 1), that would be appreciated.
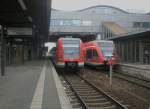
point(141, 52)
point(2, 51)
point(11, 51)
point(23, 51)
point(35, 51)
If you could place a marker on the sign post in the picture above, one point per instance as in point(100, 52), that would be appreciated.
point(110, 71)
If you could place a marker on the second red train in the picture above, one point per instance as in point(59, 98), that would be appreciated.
point(99, 53)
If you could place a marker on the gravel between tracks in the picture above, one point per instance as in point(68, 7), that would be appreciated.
point(131, 95)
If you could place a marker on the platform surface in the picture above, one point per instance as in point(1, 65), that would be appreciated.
point(31, 86)
point(140, 66)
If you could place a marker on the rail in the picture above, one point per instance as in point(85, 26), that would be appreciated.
point(89, 95)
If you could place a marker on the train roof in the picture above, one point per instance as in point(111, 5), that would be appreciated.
point(94, 43)
point(102, 41)
point(70, 38)
point(98, 41)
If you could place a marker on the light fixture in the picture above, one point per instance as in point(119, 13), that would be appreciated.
point(30, 18)
point(22, 4)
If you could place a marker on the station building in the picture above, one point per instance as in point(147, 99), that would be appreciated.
point(97, 20)
point(107, 22)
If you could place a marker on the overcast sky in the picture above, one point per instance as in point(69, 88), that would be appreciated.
point(70, 5)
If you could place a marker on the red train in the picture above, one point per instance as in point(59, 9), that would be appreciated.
point(69, 53)
point(98, 53)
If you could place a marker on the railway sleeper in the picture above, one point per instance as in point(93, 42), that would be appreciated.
point(68, 91)
point(89, 91)
point(89, 94)
point(74, 101)
point(71, 94)
point(108, 107)
point(92, 96)
point(86, 89)
point(83, 88)
point(65, 85)
point(102, 104)
point(75, 79)
point(76, 105)
point(73, 97)
point(95, 100)
point(80, 86)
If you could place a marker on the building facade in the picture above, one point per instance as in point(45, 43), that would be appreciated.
point(93, 20)
point(109, 23)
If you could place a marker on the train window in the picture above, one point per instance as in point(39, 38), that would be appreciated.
point(89, 54)
point(71, 52)
point(71, 48)
point(106, 48)
point(95, 55)
point(107, 51)
point(71, 42)
point(105, 44)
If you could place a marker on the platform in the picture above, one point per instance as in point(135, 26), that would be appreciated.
point(137, 70)
point(34, 85)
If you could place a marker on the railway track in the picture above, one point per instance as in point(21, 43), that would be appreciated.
point(133, 80)
point(88, 95)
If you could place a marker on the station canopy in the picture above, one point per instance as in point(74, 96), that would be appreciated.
point(26, 13)
point(136, 35)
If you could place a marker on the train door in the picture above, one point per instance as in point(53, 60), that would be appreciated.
point(95, 55)
point(91, 55)
point(88, 55)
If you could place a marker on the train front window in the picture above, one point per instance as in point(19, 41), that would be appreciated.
point(107, 51)
point(71, 48)
point(106, 48)
point(71, 52)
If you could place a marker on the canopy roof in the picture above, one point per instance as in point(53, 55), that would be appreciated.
point(26, 13)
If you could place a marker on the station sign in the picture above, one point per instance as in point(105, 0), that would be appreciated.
point(20, 31)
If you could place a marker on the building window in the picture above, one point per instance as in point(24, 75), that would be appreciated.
point(57, 22)
point(145, 24)
point(86, 23)
point(51, 22)
point(136, 25)
point(141, 24)
point(65, 22)
point(76, 22)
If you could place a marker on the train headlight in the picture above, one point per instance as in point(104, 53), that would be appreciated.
point(59, 59)
point(113, 58)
